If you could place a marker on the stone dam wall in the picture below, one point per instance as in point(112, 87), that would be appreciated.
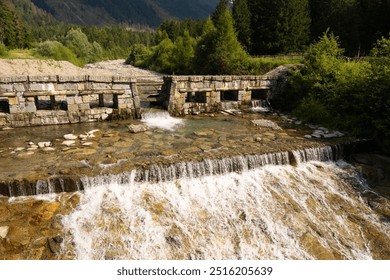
point(206, 94)
point(47, 100)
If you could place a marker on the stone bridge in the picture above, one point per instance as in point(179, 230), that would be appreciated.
point(47, 100)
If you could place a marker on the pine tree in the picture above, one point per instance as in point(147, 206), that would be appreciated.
point(219, 51)
point(221, 7)
point(242, 22)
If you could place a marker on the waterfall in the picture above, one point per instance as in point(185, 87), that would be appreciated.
point(308, 211)
point(162, 120)
point(259, 106)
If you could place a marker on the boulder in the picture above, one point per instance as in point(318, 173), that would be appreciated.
point(137, 128)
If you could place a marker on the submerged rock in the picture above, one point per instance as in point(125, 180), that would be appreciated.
point(70, 137)
point(137, 128)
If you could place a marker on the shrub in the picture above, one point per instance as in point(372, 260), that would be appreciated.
point(56, 51)
point(3, 50)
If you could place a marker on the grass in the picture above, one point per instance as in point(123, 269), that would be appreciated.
point(19, 54)
point(262, 65)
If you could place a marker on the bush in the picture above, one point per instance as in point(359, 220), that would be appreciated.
point(3, 50)
point(55, 50)
point(139, 55)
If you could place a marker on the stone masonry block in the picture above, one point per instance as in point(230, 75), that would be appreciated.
point(84, 106)
point(20, 87)
point(86, 99)
point(101, 86)
point(42, 87)
point(121, 86)
point(42, 79)
point(73, 107)
point(67, 87)
point(70, 100)
point(30, 107)
point(13, 101)
point(6, 87)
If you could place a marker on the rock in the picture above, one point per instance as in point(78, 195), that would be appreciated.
point(258, 139)
point(298, 122)
point(338, 134)
point(4, 231)
point(69, 143)
point(330, 135)
point(44, 144)
point(137, 128)
point(92, 132)
point(19, 149)
point(49, 149)
point(307, 136)
point(266, 124)
point(83, 136)
point(55, 244)
point(87, 144)
point(7, 128)
point(70, 137)
point(202, 133)
point(31, 143)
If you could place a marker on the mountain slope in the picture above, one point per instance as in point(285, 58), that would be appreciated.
point(144, 12)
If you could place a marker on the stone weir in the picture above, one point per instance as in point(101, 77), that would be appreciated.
point(173, 169)
point(49, 100)
point(207, 94)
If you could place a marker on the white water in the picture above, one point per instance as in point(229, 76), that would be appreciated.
point(269, 212)
point(161, 120)
point(259, 106)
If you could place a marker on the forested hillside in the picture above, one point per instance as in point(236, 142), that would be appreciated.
point(143, 12)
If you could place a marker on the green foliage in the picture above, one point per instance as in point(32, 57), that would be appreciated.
point(13, 34)
point(280, 26)
point(260, 66)
point(139, 55)
point(219, 10)
point(183, 54)
point(55, 50)
point(218, 51)
point(242, 23)
point(161, 60)
point(353, 96)
point(3, 50)
point(79, 44)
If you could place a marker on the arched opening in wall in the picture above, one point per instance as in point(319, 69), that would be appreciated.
point(4, 105)
point(196, 97)
point(51, 102)
point(229, 95)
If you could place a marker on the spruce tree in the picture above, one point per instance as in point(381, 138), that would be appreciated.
point(242, 22)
